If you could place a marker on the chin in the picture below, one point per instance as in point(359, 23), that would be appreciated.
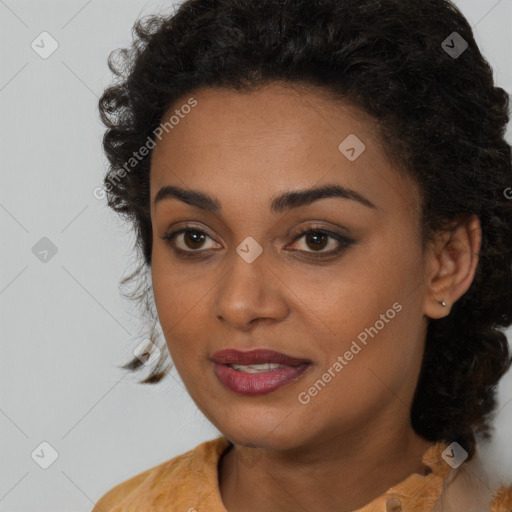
point(253, 434)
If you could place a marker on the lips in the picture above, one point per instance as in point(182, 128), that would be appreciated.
point(258, 356)
point(242, 373)
point(252, 384)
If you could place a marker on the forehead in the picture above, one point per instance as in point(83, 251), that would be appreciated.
point(300, 114)
point(278, 137)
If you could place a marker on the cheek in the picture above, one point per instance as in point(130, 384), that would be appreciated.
point(368, 307)
point(379, 362)
point(366, 282)
point(180, 307)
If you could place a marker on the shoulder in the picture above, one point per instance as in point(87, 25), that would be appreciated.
point(470, 489)
point(168, 483)
point(502, 500)
point(112, 501)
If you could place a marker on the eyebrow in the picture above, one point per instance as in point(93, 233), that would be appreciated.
point(282, 203)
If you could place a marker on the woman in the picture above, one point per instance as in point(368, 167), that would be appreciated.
point(319, 190)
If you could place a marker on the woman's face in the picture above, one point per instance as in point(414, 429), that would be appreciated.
point(242, 277)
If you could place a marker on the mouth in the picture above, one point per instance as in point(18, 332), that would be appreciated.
point(257, 372)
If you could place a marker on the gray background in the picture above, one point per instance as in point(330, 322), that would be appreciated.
point(64, 325)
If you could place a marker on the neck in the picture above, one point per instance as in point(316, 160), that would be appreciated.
point(347, 470)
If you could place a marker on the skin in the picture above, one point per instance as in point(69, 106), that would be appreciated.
point(352, 441)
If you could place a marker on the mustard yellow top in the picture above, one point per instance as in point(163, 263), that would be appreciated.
point(189, 483)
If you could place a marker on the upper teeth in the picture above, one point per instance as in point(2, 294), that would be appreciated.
point(257, 368)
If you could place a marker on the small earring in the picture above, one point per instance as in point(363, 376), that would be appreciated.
point(443, 303)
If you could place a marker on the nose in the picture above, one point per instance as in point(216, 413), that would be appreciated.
point(251, 293)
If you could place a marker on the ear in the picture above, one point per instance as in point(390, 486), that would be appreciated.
point(452, 259)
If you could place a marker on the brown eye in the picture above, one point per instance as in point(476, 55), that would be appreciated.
point(193, 239)
point(318, 239)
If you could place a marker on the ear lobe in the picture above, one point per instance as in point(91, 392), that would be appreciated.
point(453, 258)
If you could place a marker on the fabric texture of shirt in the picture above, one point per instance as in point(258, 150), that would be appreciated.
point(189, 483)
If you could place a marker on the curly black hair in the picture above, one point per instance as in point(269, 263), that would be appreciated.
point(415, 67)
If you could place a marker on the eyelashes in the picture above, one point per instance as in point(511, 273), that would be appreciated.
point(194, 236)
